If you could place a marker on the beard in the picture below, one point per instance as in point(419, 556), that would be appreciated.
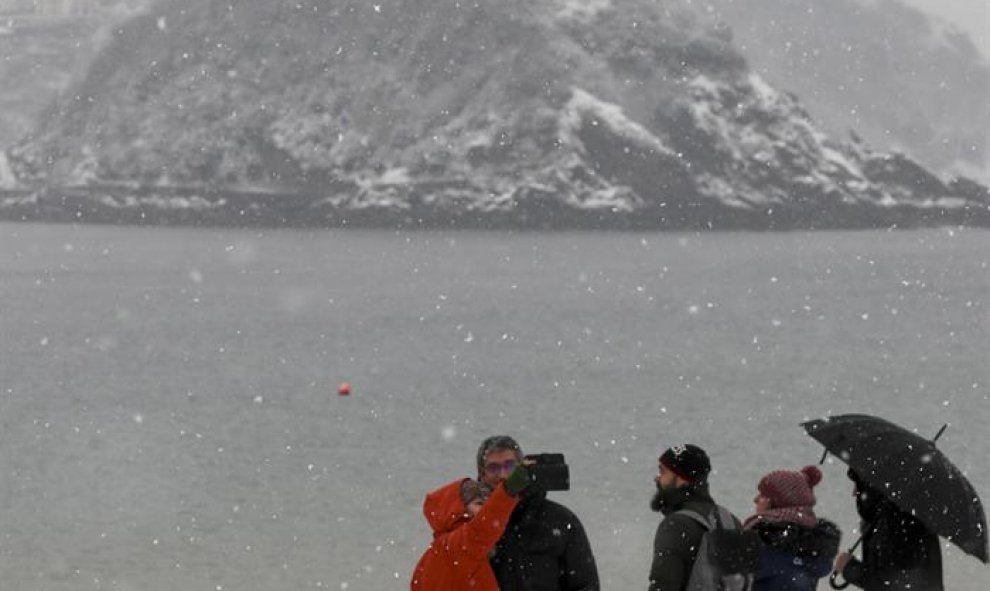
point(657, 503)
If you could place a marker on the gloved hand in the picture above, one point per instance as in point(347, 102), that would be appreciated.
point(517, 481)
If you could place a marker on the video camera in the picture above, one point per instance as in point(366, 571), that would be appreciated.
point(548, 471)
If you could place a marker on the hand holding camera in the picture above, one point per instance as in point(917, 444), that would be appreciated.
point(548, 471)
point(543, 472)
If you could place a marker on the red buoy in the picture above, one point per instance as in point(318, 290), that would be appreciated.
point(344, 389)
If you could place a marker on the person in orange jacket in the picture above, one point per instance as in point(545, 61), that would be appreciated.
point(466, 525)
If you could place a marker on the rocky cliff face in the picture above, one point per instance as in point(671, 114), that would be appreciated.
point(629, 113)
point(898, 78)
point(38, 59)
point(45, 49)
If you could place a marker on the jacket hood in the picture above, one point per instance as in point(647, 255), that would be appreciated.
point(821, 540)
point(443, 508)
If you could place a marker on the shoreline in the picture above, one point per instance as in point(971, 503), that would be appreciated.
point(225, 207)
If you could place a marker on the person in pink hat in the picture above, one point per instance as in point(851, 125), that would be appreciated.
point(798, 546)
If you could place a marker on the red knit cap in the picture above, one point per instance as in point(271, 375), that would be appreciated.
point(785, 488)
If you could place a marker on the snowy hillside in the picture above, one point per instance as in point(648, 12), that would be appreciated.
point(38, 59)
point(621, 113)
point(44, 50)
point(899, 78)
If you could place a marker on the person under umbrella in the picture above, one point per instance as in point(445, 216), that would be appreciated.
point(899, 552)
point(908, 494)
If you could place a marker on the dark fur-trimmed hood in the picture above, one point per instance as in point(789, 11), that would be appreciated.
point(820, 541)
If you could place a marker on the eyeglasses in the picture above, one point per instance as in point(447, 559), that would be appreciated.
point(498, 468)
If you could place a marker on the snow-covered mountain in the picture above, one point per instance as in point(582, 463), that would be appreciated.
point(624, 113)
point(38, 59)
point(902, 80)
point(45, 48)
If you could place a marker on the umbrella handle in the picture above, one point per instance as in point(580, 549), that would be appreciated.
point(833, 581)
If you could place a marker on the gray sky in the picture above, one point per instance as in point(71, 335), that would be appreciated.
point(973, 16)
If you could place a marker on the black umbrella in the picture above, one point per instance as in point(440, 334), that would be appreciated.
point(914, 474)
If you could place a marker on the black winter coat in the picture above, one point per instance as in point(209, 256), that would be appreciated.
point(793, 557)
point(899, 552)
point(544, 548)
point(675, 545)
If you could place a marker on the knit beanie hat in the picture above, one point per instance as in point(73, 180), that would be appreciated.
point(471, 490)
point(690, 462)
point(786, 488)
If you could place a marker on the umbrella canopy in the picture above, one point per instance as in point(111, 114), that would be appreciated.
point(914, 474)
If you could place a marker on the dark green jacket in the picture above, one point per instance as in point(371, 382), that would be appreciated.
point(678, 536)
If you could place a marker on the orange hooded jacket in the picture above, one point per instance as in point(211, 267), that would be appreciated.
point(457, 559)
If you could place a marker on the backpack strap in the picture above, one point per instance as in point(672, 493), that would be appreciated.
point(724, 518)
point(718, 518)
point(703, 521)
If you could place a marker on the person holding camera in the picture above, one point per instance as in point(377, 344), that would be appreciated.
point(544, 547)
point(466, 523)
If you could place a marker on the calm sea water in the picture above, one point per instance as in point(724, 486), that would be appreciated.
point(169, 416)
